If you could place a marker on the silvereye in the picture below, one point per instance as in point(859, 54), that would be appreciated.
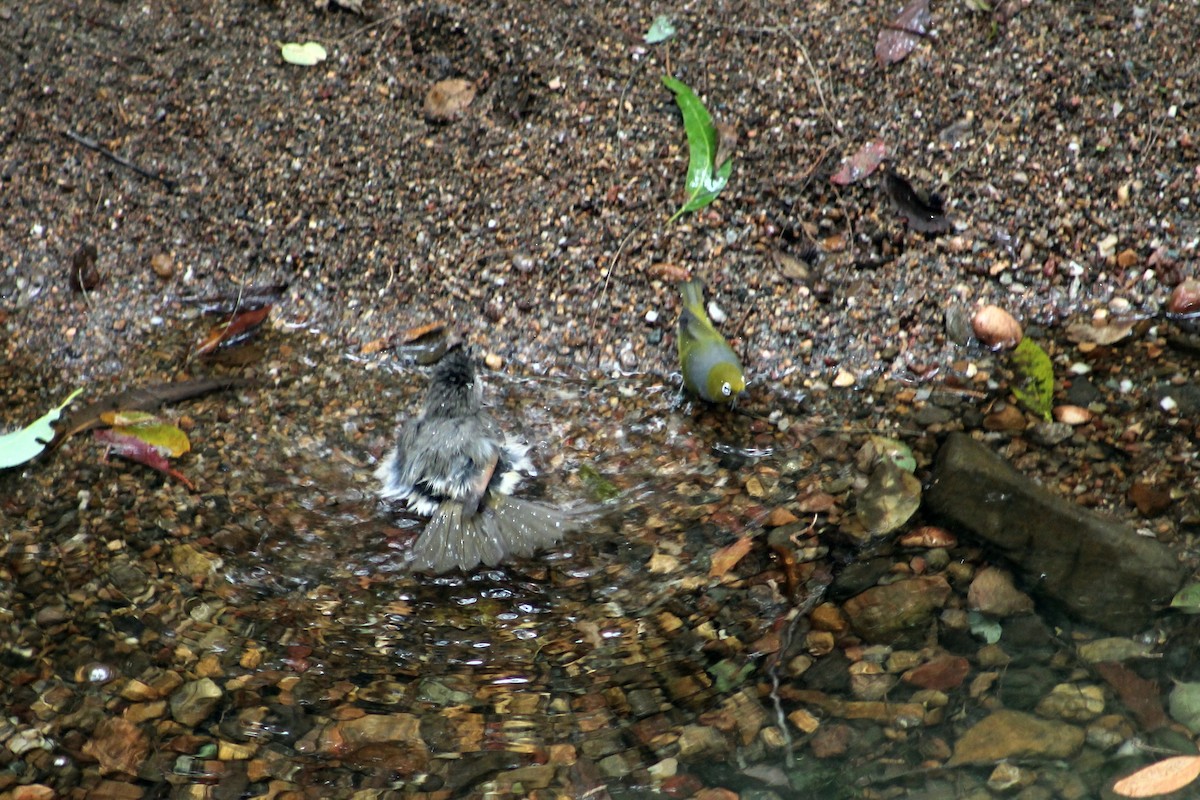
point(455, 465)
point(711, 369)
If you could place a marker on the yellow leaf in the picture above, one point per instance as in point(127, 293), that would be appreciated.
point(167, 439)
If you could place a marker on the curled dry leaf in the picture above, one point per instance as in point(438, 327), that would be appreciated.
point(449, 98)
point(921, 211)
point(858, 166)
point(996, 328)
point(234, 331)
point(84, 274)
point(898, 38)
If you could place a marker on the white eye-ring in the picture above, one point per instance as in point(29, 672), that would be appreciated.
point(726, 389)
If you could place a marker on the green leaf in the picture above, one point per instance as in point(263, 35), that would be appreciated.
point(660, 30)
point(599, 487)
point(21, 446)
point(1188, 599)
point(304, 55)
point(704, 180)
point(1034, 387)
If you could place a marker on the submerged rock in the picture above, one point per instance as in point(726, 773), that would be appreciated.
point(1098, 568)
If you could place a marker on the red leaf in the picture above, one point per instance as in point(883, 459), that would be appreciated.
point(135, 449)
point(898, 39)
point(861, 164)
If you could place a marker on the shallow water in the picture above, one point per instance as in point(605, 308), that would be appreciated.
point(618, 663)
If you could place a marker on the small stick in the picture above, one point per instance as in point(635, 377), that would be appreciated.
point(92, 144)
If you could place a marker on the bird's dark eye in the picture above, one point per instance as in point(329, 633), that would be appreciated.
point(726, 389)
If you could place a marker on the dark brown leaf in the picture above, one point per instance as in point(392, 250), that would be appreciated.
point(234, 331)
point(923, 213)
point(84, 274)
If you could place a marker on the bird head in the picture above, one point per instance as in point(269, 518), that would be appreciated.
point(725, 382)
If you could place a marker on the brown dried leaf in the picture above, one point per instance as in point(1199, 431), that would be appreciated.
point(898, 39)
point(84, 274)
point(1100, 334)
point(236, 329)
point(1137, 694)
point(865, 161)
point(727, 557)
point(1162, 777)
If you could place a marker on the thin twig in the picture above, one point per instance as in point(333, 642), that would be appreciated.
point(92, 144)
point(612, 264)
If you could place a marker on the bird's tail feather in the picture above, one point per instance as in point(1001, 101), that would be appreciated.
point(504, 527)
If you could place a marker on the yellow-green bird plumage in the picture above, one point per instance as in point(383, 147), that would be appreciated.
point(711, 370)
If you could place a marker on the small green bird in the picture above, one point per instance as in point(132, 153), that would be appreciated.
point(711, 369)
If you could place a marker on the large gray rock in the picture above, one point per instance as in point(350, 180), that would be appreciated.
point(1101, 570)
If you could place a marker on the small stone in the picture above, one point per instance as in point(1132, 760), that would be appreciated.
point(448, 99)
point(1073, 703)
point(493, 361)
point(992, 592)
point(996, 328)
point(1185, 298)
point(1005, 419)
point(162, 265)
point(193, 702)
point(1127, 258)
point(942, 674)
point(844, 379)
point(1072, 415)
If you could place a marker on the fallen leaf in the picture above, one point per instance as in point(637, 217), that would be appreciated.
point(727, 557)
point(1162, 777)
point(898, 38)
point(1187, 599)
point(142, 398)
point(303, 55)
point(922, 212)
point(235, 330)
point(705, 179)
point(1137, 694)
point(449, 98)
point(1034, 378)
point(864, 161)
point(1108, 334)
point(661, 29)
point(84, 275)
point(31, 441)
point(131, 447)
